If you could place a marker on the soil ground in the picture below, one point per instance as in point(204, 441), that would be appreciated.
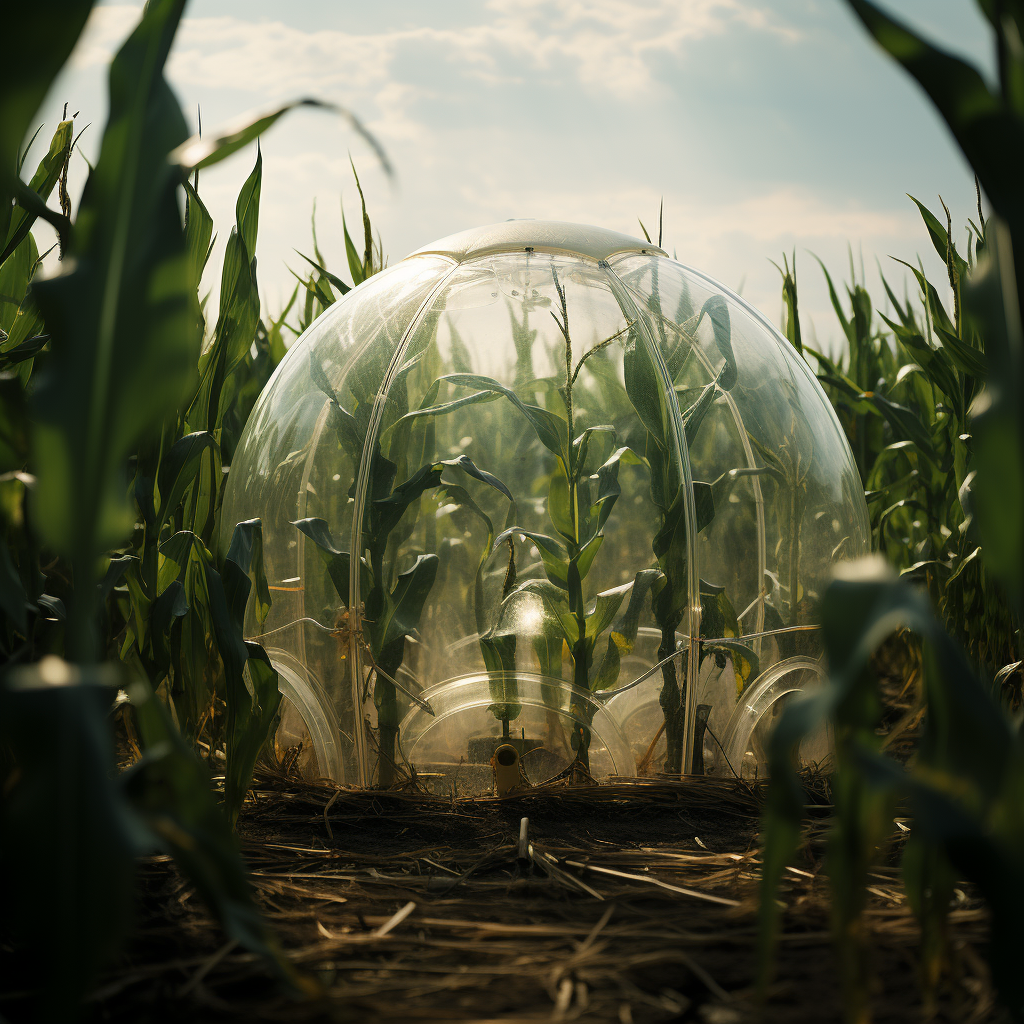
point(639, 904)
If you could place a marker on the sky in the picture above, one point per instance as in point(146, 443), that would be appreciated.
point(765, 126)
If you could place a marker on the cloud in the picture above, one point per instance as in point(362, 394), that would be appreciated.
point(611, 43)
point(108, 26)
point(604, 44)
point(585, 110)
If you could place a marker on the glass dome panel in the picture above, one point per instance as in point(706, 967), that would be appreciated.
point(788, 501)
point(502, 486)
point(288, 466)
point(479, 405)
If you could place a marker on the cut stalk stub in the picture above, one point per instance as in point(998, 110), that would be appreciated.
point(523, 853)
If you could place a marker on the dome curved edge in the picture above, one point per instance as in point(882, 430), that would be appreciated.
point(549, 236)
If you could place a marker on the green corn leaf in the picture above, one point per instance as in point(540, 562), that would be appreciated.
point(343, 288)
point(585, 559)
point(427, 409)
point(140, 615)
point(69, 836)
point(582, 443)
point(170, 790)
point(848, 326)
point(349, 435)
point(998, 418)
point(185, 559)
point(15, 277)
point(645, 390)
point(198, 234)
point(315, 293)
point(789, 296)
point(246, 551)
point(159, 616)
point(624, 631)
point(468, 466)
point(552, 552)
point(123, 344)
point(452, 498)
point(499, 655)
point(14, 432)
point(907, 425)
point(968, 360)
point(906, 371)
point(962, 564)
point(404, 605)
point(905, 313)
point(249, 731)
point(355, 263)
point(608, 488)
point(25, 351)
point(717, 310)
point(338, 562)
point(199, 152)
point(670, 547)
point(116, 568)
point(746, 664)
point(42, 184)
point(722, 487)
point(239, 310)
point(939, 235)
point(557, 620)
point(694, 416)
point(549, 428)
point(938, 311)
point(386, 512)
point(988, 130)
point(29, 71)
point(563, 518)
point(606, 605)
point(935, 362)
point(319, 533)
point(368, 269)
point(178, 469)
point(199, 508)
point(250, 715)
point(963, 790)
point(27, 147)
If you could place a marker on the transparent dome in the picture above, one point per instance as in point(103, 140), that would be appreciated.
point(594, 497)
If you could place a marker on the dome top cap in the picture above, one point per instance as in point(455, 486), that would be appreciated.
point(549, 236)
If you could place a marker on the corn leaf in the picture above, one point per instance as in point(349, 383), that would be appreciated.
point(42, 184)
point(29, 70)
point(123, 344)
point(199, 152)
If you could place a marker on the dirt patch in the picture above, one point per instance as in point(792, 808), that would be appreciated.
point(637, 902)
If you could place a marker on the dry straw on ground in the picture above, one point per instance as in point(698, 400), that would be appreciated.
point(635, 901)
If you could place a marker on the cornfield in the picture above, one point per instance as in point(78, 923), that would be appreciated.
point(135, 714)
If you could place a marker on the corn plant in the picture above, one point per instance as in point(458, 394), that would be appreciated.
point(903, 389)
point(96, 364)
point(594, 630)
point(394, 602)
point(320, 287)
point(964, 788)
point(669, 594)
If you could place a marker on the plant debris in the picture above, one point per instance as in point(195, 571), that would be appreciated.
point(637, 902)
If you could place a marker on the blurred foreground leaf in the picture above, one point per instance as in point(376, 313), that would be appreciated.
point(67, 836)
point(123, 343)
